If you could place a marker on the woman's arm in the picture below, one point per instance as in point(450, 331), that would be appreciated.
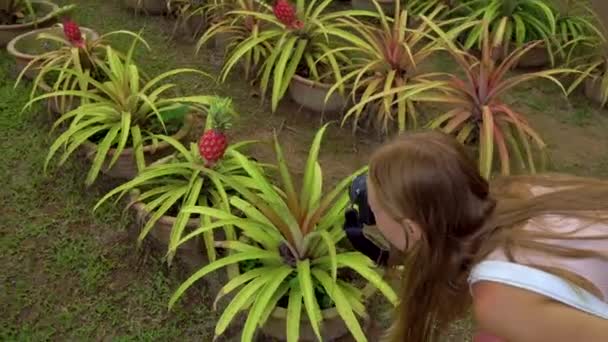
point(518, 315)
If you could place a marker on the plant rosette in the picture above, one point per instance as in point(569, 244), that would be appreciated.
point(148, 7)
point(72, 49)
point(591, 63)
point(513, 24)
point(479, 117)
point(297, 37)
point(20, 16)
point(290, 239)
point(333, 326)
point(384, 78)
point(230, 27)
point(31, 46)
point(123, 112)
point(578, 27)
point(191, 17)
point(594, 77)
point(160, 190)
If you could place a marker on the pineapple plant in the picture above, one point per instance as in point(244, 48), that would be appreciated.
point(214, 142)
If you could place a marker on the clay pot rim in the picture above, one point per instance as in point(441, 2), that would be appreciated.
point(165, 219)
point(12, 49)
point(310, 83)
point(52, 7)
point(182, 133)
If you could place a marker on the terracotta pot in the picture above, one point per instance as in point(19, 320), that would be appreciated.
point(593, 89)
point(150, 7)
point(332, 328)
point(388, 6)
point(21, 46)
point(312, 95)
point(9, 32)
point(537, 57)
point(196, 24)
point(126, 166)
point(191, 253)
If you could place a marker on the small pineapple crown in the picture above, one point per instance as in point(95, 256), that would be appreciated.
point(220, 112)
point(72, 32)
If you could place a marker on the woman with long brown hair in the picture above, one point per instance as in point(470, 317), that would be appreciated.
point(528, 255)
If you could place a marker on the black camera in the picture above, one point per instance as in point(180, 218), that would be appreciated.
point(357, 216)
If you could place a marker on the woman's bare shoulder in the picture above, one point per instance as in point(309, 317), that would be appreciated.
point(500, 309)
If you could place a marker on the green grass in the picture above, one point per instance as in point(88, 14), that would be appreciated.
point(70, 274)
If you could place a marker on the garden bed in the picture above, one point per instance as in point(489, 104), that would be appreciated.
point(75, 275)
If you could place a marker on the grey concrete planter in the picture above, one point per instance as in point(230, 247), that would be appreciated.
point(311, 95)
point(23, 46)
point(47, 18)
point(593, 89)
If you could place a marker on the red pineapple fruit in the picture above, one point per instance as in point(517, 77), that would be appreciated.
point(71, 30)
point(285, 12)
point(213, 142)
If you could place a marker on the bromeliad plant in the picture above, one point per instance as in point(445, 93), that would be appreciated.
point(593, 66)
point(384, 77)
point(76, 52)
point(190, 14)
point(16, 11)
point(300, 39)
point(120, 112)
point(480, 117)
point(291, 237)
point(513, 23)
point(237, 26)
point(429, 8)
point(178, 180)
point(577, 29)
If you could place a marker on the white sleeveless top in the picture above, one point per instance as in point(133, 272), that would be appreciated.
point(497, 267)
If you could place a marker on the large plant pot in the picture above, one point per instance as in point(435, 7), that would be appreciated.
point(311, 95)
point(196, 25)
point(161, 232)
point(126, 166)
point(388, 6)
point(593, 89)
point(150, 7)
point(46, 19)
point(537, 57)
point(332, 328)
point(191, 253)
point(26, 47)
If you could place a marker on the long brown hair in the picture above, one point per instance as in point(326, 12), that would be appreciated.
point(429, 178)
